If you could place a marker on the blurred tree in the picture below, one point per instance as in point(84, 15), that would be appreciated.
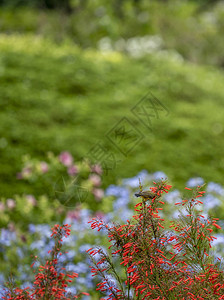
point(205, 4)
point(15, 3)
point(76, 6)
point(118, 8)
point(44, 4)
point(80, 5)
point(56, 4)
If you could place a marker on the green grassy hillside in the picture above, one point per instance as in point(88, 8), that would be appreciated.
point(56, 98)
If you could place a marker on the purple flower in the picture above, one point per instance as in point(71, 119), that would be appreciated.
point(210, 202)
point(219, 240)
point(97, 169)
point(72, 170)
point(7, 236)
point(19, 175)
point(71, 290)
point(213, 187)
point(178, 213)
point(100, 215)
point(117, 191)
point(44, 167)
point(195, 181)
point(95, 179)
point(159, 175)
point(31, 199)
point(98, 193)
point(73, 214)
point(132, 182)
point(26, 172)
point(32, 228)
point(2, 206)
point(66, 158)
point(10, 203)
point(173, 197)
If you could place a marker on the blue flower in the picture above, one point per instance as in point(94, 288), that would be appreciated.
point(71, 290)
point(71, 254)
point(85, 213)
point(195, 181)
point(71, 267)
point(67, 240)
point(213, 187)
point(89, 280)
point(84, 248)
point(32, 228)
point(62, 258)
point(210, 202)
point(132, 182)
point(2, 279)
point(178, 213)
point(219, 240)
point(120, 203)
point(37, 244)
point(159, 175)
point(20, 253)
point(81, 280)
point(43, 229)
point(172, 197)
point(117, 191)
point(125, 214)
point(144, 176)
point(7, 237)
point(79, 268)
point(23, 270)
point(112, 190)
point(25, 285)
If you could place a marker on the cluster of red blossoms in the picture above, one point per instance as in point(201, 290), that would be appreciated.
point(50, 283)
point(151, 258)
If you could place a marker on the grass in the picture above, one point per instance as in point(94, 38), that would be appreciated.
point(57, 97)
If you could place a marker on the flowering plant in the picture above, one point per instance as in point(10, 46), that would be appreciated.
point(160, 260)
point(16, 247)
point(50, 282)
point(62, 179)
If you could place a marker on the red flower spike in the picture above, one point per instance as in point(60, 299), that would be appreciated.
point(49, 283)
point(142, 249)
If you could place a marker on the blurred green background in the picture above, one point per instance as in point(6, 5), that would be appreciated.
point(70, 71)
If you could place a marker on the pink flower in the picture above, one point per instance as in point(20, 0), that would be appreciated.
point(31, 199)
point(97, 169)
point(100, 215)
point(2, 206)
point(72, 170)
point(44, 167)
point(95, 179)
point(11, 226)
point(19, 175)
point(98, 193)
point(73, 214)
point(10, 203)
point(66, 158)
point(26, 172)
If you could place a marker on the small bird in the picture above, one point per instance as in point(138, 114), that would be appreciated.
point(146, 194)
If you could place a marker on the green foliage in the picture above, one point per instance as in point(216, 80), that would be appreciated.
point(192, 28)
point(65, 186)
point(59, 178)
point(26, 209)
point(59, 98)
